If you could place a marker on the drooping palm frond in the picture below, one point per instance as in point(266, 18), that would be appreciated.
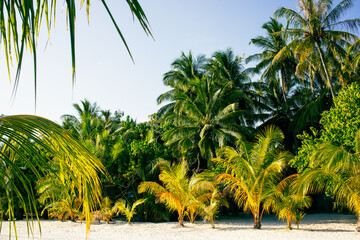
point(36, 135)
point(317, 29)
point(21, 26)
point(335, 170)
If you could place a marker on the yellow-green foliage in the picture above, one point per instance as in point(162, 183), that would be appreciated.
point(286, 204)
point(254, 170)
point(334, 169)
point(107, 210)
point(179, 191)
point(35, 135)
point(121, 206)
point(210, 209)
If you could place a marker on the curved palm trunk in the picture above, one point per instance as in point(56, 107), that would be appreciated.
point(181, 218)
point(325, 69)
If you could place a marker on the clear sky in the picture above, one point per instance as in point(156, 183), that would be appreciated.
point(105, 73)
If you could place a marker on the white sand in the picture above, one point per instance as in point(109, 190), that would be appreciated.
point(314, 226)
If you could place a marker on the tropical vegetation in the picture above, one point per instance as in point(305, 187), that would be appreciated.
point(265, 138)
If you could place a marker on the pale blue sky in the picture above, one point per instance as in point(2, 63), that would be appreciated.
point(105, 72)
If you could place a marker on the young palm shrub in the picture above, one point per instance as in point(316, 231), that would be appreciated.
point(65, 208)
point(211, 209)
point(286, 204)
point(178, 191)
point(107, 210)
point(121, 206)
point(297, 217)
point(252, 171)
point(336, 170)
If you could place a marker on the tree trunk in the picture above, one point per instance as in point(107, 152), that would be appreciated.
point(257, 224)
point(283, 86)
point(181, 219)
point(289, 224)
point(325, 70)
point(358, 224)
point(212, 223)
point(257, 221)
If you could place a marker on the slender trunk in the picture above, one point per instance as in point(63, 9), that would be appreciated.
point(288, 220)
point(212, 223)
point(283, 87)
point(358, 224)
point(199, 162)
point(298, 225)
point(325, 69)
point(257, 221)
point(181, 219)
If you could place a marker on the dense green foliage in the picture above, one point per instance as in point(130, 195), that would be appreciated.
point(339, 126)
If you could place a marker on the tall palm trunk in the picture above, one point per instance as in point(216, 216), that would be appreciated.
point(283, 79)
point(325, 69)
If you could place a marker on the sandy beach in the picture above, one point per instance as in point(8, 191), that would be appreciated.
point(313, 226)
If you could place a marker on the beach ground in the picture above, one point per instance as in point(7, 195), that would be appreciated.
point(313, 226)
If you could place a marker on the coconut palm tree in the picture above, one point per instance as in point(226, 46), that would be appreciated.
point(272, 44)
point(178, 190)
point(184, 70)
point(252, 171)
point(22, 21)
point(225, 66)
point(35, 136)
point(207, 121)
point(336, 170)
point(316, 30)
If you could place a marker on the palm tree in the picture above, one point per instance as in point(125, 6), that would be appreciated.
point(123, 207)
point(335, 170)
point(35, 135)
point(184, 70)
point(272, 44)
point(315, 30)
point(252, 171)
point(225, 66)
point(22, 21)
point(178, 190)
point(212, 208)
point(207, 121)
point(286, 204)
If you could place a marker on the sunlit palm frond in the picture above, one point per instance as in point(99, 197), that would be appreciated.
point(36, 134)
point(22, 25)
